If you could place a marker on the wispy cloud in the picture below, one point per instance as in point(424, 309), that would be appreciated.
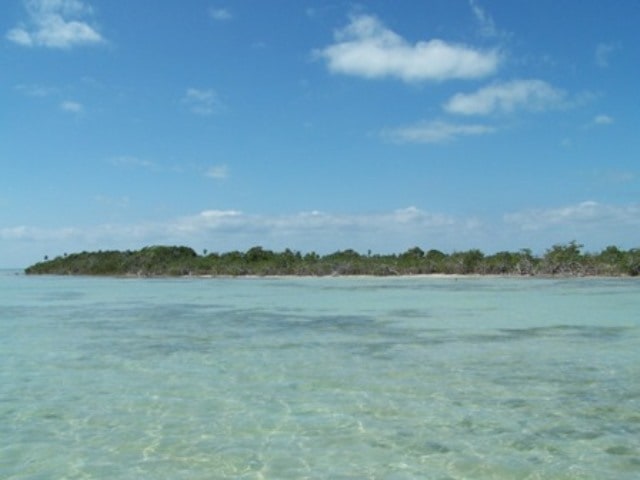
point(201, 102)
point(603, 52)
point(435, 132)
point(584, 215)
point(36, 90)
point(532, 95)
point(305, 223)
point(55, 24)
point(130, 161)
point(613, 176)
point(218, 172)
point(235, 229)
point(35, 234)
point(367, 48)
point(602, 120)
point(122, 202)
point(133, 162)
point(487, 25)
point(225, 230)
point(220, 14)
point(70, 106)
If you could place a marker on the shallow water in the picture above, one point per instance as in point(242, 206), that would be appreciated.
point(341, 378)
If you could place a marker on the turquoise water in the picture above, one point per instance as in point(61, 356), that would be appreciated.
point(333, 378)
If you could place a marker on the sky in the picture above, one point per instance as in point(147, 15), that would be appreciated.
point(318, 126)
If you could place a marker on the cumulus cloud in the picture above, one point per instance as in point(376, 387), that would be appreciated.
point(367, 48)
point(55, 24)
point(201, 102)
point(435, 132)
point(533, 95)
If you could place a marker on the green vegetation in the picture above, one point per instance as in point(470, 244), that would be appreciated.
point(563, 260)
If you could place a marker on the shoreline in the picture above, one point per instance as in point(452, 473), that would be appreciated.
point(417, 276)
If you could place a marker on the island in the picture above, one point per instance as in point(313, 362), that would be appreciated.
point(559, 260)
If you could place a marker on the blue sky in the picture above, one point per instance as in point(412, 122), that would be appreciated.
point(449, 124)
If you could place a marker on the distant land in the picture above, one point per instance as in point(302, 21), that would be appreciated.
point(559, 260)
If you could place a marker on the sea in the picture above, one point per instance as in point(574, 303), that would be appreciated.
point(319, 378)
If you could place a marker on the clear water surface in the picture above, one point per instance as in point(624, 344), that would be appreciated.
point(319, 378)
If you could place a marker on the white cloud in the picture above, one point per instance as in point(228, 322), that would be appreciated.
point(612, 177)
point(487, 26)
point(36, 90)
point(64, 7)
point(602, 54)
point(577, 218)
point(306, 223)
point(220, 14)
point(201, 102)
point(367, 48)
point(218, 172)
point(20, 36)
point(506, 97)
point(227, 230)
point(23, 232)
point(55, 24)
point(130, 161)
point(113, 202)
point(594, 224)
point(603, 120)
point(72, 107)
point(435, 132)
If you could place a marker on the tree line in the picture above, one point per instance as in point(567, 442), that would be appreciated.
point(562, 260)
